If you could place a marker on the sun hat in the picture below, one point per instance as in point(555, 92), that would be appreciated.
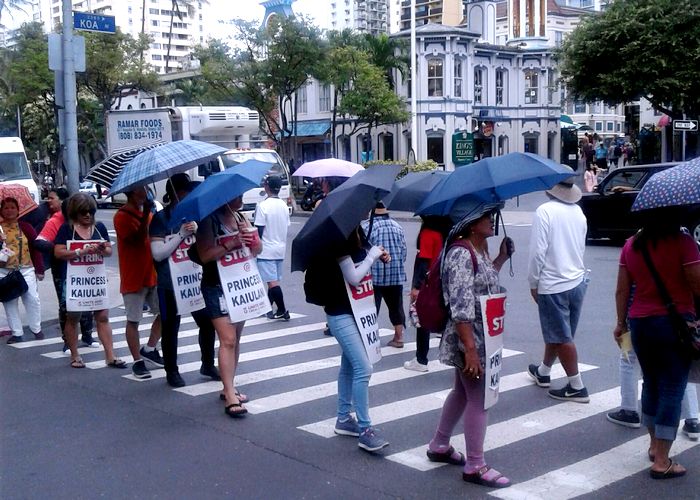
point(566, 191)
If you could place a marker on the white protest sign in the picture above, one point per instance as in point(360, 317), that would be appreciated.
point(186, 277)
point(244, 289)
point(364, 310)
point(86, 279)
point(493, 309)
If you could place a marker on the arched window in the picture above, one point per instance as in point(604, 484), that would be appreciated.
point(501, 94)
point(531, 86)
point(479, 95)
point(435, 82)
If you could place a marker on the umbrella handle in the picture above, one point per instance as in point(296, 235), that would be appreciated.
point(505, 235)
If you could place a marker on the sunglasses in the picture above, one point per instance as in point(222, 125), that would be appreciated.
point(90, 211)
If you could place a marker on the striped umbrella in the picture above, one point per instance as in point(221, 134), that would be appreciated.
point(105, 172)
point(162, 162)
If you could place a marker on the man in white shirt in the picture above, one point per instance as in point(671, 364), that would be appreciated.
point(556, 276)
point(272, 221)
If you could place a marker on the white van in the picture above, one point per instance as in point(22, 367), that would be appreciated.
point(14, 167)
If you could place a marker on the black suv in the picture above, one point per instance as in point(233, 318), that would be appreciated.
point(608, 207)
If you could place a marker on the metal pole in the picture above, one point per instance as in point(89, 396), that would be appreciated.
point(71, 120)
point(414, 110)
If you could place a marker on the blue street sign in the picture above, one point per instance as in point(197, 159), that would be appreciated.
point(86, 21)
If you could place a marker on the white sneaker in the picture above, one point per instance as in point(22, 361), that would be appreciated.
point(415, 366)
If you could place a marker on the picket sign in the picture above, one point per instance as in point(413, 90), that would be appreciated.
point(86, 279)
point(364, 310)
point(186, 277)
point(492, 316)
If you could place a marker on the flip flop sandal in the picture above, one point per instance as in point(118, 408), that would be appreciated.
point(446, 457)
point(243, 398)
point(480, 477)
point(77, 363)
point(395, 343)
point(116, 363)
point(235, 410)
point(668, 473)
point(650, 455)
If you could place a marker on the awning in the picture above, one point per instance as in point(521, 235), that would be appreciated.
point(566, 119)
point(311, 128)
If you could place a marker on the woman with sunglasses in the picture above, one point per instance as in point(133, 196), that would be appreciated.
point(81, 226)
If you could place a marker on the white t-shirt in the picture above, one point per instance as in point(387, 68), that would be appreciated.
point(273, 215)
point(557, 245)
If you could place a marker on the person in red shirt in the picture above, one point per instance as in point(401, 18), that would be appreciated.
point(138, 277)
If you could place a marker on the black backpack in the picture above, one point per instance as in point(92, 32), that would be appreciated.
point(315, 284)
point(618, 151)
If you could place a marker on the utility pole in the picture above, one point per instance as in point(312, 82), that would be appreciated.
point(70, 157)
point(414, 86)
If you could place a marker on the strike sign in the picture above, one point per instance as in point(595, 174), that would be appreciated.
point(86, 279)
point(492, 315)
point(364, 310)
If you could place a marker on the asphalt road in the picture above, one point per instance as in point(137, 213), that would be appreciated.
point(98, 432)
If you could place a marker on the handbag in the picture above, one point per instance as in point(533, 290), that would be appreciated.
point(13, 285)
point(688, 335)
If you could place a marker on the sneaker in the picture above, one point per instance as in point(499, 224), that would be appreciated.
point(347, 428)
point(691, 428)
point(540, 380)
point(15, 339)
point(210, 371)
point(175, 380)
point(152, 357)
point(284, 316)
point(139, 370)
point(415, 366)
point(270, 315)
point(567, 393)
point(625, 418)
point(39, 335)
point(371, 440)
point(89, 341)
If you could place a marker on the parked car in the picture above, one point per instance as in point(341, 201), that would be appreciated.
point(608, 207)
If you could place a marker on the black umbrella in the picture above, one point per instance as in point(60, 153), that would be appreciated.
point(340, 213)
point(410, 191)
point(105, 172)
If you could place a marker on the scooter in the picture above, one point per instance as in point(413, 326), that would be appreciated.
point(312, 194)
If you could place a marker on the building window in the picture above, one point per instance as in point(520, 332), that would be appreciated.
point(153, 12)
point(458, 78)
point(551, 86)
point(609, 126)
point(478, 86)
point(436, 150)
point(157, 57)
point(580, 107)
point(618, 127)
point(155, 46)
point(301, 100)
point(324, 98)
point(598, 126)
point(155, 22)
point(531, 85)
point(558, 38)
point(435, 78)
point(500, 86)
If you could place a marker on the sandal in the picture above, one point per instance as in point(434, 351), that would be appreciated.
point(235, 410)
point(395, 343)
point(447, 457)
point(486, 476)
point(669, 473)
point(77, 363)
point(650, 455)
point(242, 398)
point(116, 363)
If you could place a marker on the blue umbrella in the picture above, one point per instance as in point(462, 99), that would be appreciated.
point(495, 179)
point(410, 191)
point(219, 189)
point(679, 185)
point(162, 162)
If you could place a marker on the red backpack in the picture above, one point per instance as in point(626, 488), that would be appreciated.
point(430, 303)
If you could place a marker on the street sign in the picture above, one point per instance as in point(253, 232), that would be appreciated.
point(685, 125)
point(86, 21)
point(462, 148)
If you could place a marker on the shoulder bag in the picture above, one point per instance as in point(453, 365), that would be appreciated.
point(13, 285)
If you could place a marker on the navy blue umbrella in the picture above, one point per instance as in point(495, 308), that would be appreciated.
point(493, 180)
point(340, 213)
point(410, 191)
point(219, 189)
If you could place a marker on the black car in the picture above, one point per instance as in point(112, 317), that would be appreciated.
point(608, 207)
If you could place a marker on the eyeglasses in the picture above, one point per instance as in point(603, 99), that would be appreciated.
point(90, 211)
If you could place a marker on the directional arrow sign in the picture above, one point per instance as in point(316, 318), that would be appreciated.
point(688, 125)
point(93, 22)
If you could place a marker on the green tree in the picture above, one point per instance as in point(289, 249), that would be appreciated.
point(7, 6)
point(388, 54)
point(637, 48)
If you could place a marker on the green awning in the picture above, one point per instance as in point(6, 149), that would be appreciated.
point(566, 119)
point(312, 128)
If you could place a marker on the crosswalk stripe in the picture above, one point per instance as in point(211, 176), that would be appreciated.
point(590, 474)
point(414, 406)
point(521, 427)
point(320, 391)
point(142, 327)
point(286, 371)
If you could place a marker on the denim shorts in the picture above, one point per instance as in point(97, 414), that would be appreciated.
point(270, 270)
point(215, 301)
point(559, 314)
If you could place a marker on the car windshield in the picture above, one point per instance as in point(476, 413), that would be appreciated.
point(625, 181)
point(236, 157)
point(13, 166)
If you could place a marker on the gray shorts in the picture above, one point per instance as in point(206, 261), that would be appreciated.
point(559, 314)
point(270, 270)
point(133, 303)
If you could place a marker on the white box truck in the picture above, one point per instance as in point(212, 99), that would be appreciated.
point(14, 167)
point(233, 127)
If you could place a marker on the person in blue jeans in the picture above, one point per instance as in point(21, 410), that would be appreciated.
point(351, 263)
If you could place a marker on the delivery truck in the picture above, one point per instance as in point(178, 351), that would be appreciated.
point(14, 167)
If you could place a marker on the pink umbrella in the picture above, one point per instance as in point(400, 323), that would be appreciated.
point(20, 193)
point(664, 121)
point(328, 167)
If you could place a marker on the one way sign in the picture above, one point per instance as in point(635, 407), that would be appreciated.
point(686, 125)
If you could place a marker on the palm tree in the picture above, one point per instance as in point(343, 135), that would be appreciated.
point(175, 10)
point(388, 54)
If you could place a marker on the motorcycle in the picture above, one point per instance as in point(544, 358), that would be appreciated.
point(312, 194)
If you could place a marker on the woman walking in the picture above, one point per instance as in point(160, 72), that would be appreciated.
point(18, 238)
point(219, 234)
point(673, 255)
point(468, 273)
point(81, 225)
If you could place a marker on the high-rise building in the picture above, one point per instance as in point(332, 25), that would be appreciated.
point(13, 19)
point(447, 12)
point(364, 16)
point(172, 44)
